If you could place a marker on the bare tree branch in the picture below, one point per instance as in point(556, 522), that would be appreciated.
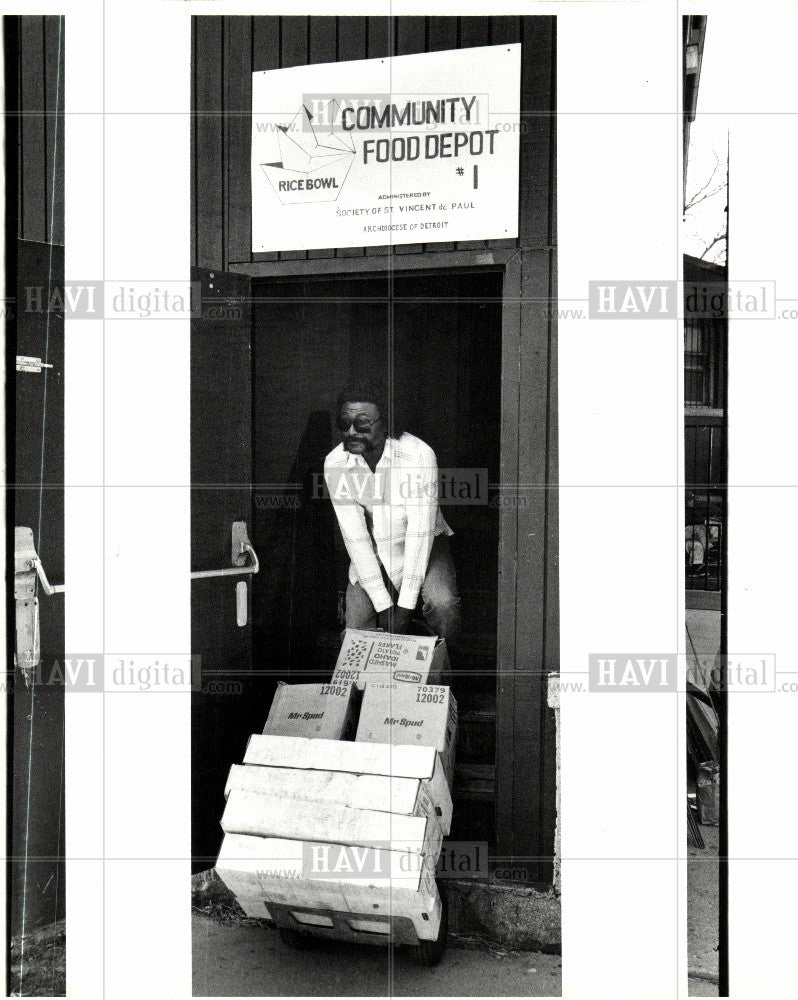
point(720, 238)
point(699, 197)
point(707, 190)
point(706, 207)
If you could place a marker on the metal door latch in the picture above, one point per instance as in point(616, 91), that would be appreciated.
point(241, 548)
point(241, 551)
point(26, 364)
point(27, 564)
point(27, 568)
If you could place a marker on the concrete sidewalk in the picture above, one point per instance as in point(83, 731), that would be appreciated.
point(703, 911)
point(246, 960)
point(703, 908)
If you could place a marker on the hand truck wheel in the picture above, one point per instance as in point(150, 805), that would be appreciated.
point(430, 953)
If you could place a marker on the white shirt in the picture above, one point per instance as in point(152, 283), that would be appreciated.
point(399, 502)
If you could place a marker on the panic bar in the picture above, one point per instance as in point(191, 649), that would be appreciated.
point(204, 574)
point(240, 549)
point(47, 587)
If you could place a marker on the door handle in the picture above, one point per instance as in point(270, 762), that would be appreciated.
point(26, 561)
point(47, 587)
point(27, 567)
point(241, 549)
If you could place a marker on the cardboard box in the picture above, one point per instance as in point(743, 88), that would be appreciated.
point(419, 762)
point(329, 822)
point(411, 715)
point(260, 870)
point(405, 796)
point(332, 868)
point(380, 657)
point(318, 711)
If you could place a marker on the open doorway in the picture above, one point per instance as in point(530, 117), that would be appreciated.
point(437, 339)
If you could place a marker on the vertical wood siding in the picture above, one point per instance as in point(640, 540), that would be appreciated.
point(228, 50)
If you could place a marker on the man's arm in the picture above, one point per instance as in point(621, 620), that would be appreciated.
point(422, 513)
point(352, 521)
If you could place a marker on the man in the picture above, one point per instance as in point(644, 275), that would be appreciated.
point(384, 489)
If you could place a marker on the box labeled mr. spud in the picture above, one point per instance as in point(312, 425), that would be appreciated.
point(411, 715)
point(319, 711)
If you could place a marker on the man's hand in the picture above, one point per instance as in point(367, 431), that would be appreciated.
point(394, 619)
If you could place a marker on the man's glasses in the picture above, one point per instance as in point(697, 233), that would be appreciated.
point(362, 425)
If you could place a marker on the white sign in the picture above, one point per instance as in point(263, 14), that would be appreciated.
point(407, 149)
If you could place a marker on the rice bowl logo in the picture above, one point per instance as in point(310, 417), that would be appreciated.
point(315, 159)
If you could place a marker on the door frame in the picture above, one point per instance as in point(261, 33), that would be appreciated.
point(528, 613)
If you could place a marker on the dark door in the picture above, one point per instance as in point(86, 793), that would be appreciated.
point(37, 834)
point(226, 709)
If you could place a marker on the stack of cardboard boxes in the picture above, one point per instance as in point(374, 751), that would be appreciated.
point(325, 828)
